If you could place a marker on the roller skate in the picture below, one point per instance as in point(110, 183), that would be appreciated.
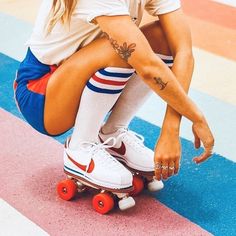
point(131, 151)
point(92, 167)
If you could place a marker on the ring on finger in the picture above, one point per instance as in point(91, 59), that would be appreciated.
point(158, 166)
point(171, 167)
point(164, 167)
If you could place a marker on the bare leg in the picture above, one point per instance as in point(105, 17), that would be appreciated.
point(68, 81)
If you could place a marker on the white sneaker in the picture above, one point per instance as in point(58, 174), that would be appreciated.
point(129, 149)
point(94, 165)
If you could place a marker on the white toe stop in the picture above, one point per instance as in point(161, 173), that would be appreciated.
point(126, 203)
point(155, 185)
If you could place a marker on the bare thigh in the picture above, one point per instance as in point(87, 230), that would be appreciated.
point(66, 84)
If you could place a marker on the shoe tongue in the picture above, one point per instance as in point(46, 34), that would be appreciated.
point(85, 145)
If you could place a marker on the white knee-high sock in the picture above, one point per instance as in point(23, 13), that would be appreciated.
point(99, 95)
point(134, 95)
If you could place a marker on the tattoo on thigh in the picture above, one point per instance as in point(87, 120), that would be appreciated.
point(124, 50)
point(160, 83)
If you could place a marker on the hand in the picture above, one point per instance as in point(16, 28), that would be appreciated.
point(202, 133)
point(167, 155)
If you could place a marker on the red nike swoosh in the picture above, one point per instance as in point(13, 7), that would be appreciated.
point(121, 150)
point(83, 167)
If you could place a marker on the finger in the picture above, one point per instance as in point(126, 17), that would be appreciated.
point(202, 157)
point(164, 169)
point(176, 167)
point(197, 141)
point(158, 170)
point(171, 168)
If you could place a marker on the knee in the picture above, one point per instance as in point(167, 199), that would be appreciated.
point(109, 57)
point(156, 37)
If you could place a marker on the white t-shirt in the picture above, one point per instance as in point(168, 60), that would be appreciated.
point(63, 41)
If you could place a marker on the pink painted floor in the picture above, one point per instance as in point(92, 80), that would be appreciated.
point(29, 183)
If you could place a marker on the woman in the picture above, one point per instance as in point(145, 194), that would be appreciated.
point(80, 64)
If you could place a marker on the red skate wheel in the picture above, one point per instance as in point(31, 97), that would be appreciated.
point(138, 186)
point(103, 203)
point(66, 189)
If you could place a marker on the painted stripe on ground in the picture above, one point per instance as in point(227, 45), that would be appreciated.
point(231, 3)
point(36, 163)
point(209, 36)
point(211, 11)
point(14, 34)
point(213, 38)
point(214, 75)
point(14, 223)
point(22, 9)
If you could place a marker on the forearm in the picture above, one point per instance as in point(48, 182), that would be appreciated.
point(163, 82)
point(135, 49)
point(182, 69)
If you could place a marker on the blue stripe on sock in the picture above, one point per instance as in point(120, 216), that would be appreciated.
point(100, 90)
point(167, 61)
point(115, 74)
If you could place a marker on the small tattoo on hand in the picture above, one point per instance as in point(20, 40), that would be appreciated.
point(160, 83)
point(124, 50)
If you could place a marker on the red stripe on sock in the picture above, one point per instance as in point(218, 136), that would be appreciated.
point(110, 82)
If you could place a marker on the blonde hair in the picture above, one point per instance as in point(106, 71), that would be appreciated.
point(61, 11)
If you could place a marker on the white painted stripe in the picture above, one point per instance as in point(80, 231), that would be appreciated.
point(220, 115)
point(105, 86)
point(214, 75)
point(14, 34)
point(231, 3)
point(13, 223)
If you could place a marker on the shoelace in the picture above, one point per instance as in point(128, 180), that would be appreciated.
point(136, 137)
point(100, 148)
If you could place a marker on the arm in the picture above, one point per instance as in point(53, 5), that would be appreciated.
point(150, 68)
point(134, 48)
point(179, 41)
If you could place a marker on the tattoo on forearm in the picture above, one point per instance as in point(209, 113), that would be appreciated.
point(160, 83)
point(124, 50)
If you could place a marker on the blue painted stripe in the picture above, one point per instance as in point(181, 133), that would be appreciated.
point(204, 194)
point(101, 90)
point(115, 74)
